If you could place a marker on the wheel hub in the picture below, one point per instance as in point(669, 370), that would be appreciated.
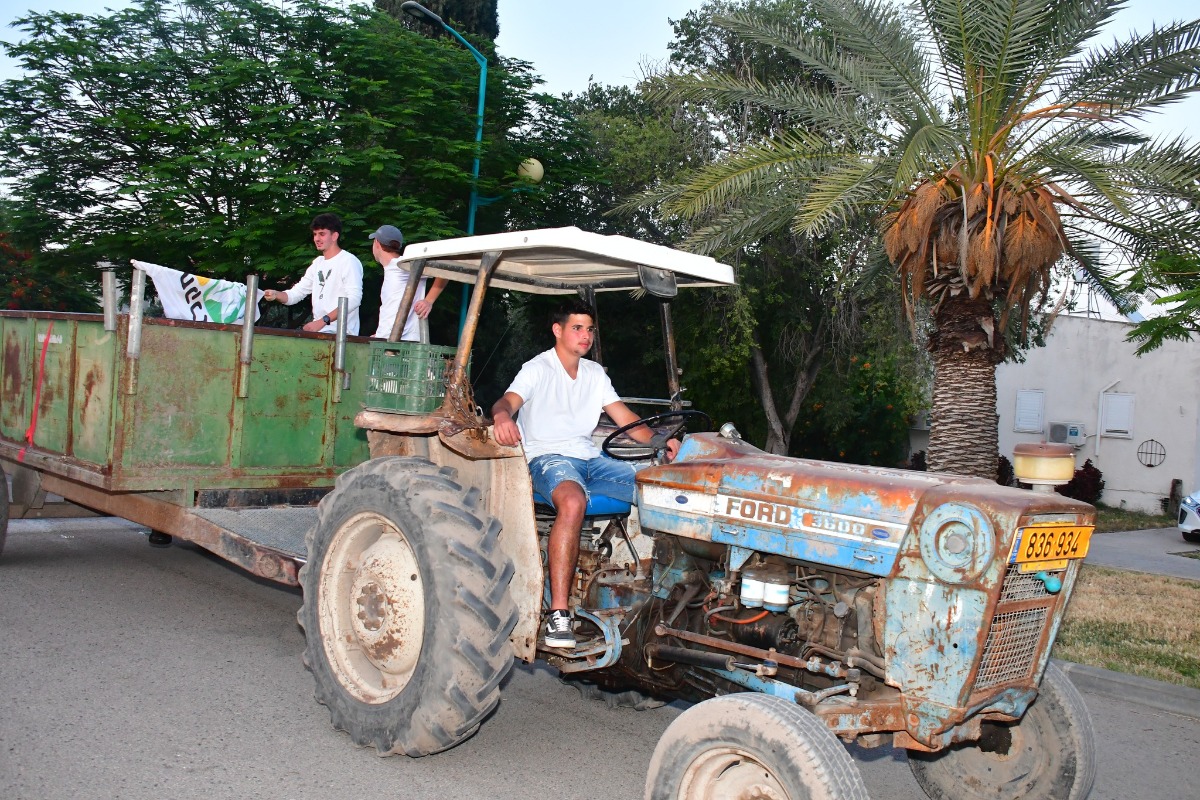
point(726, 774)
point(373, 606)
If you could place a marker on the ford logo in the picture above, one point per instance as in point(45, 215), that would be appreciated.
point(880, 533)
point(681, 499)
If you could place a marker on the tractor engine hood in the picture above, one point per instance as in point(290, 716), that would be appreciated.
point(841, 515)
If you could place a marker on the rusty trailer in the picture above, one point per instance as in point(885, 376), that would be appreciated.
point(222, 435)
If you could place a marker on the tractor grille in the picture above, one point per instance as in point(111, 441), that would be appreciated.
point(1020, 586)
point(1018, 627)
point(1011, 647)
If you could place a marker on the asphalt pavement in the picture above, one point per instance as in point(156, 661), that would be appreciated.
point(133, 672)
point(1156, 551)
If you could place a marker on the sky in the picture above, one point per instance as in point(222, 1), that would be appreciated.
point(570, 41)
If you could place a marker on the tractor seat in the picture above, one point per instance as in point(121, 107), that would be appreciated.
point(598, 506)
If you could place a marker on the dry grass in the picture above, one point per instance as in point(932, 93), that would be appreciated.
point(1146, 625)
point(1120, 519)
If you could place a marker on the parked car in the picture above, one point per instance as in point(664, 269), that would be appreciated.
point(1189, 517)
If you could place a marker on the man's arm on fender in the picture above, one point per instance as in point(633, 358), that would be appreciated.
point(503, 411)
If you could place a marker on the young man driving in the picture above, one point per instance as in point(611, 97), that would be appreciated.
point(560, 395)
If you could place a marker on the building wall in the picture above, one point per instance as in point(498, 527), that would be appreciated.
point(1082, 359)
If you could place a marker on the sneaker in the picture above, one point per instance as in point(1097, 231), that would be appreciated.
point(558, 630)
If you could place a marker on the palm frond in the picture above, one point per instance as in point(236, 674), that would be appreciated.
point(788, 157)
point(846, 188)
point(1142, 73)
point(823, 111)
point(892, 77)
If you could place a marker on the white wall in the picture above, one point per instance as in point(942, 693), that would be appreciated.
point(1084, 357)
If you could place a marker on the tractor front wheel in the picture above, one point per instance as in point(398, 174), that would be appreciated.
point(406, 607)
point(1049, 754)
point(747, 747)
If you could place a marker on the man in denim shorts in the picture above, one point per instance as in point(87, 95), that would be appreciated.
point(561, 394)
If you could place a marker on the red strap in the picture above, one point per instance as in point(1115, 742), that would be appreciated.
point(37, 393)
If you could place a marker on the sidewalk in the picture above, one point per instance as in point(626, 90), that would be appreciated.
point(1151, 551)
point(1146, 551)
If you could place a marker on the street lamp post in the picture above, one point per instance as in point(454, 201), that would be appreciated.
point(420, 12)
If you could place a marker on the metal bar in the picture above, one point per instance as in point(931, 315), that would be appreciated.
point(159, 515)
point(339, 350)
point(682, 655)
point(108, 284)
point(487, 268)
point(672, 360)
point(732, 647)
point(415, 270)
point(247, 354)
point(588, 295)
point(133, 347)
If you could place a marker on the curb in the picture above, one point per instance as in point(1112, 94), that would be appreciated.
point(1160, 696)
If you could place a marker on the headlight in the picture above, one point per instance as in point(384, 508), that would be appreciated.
point(957, 542)
point(1191, 502)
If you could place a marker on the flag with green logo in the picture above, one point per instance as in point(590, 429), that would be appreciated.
point(195, 297)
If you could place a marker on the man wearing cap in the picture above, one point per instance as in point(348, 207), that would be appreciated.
point(334, 273)
point(388, 241)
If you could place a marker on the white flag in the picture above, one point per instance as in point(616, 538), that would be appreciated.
point(195, 297)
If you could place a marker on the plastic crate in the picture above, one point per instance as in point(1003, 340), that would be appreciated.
point(407, 377)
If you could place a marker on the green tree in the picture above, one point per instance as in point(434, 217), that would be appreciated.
point(206, 133)
point(478, 17)
point(801, 298)
point(987, 142)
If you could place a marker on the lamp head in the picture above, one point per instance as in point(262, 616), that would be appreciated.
point(531, 170)
point(421, 13)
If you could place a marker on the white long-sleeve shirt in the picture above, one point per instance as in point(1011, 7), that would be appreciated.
point(326, 280)
point(395, 280)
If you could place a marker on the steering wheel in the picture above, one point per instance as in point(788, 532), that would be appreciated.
point(658, 442)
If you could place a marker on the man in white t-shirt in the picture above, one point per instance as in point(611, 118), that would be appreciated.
point(386, 245)
point(560, 395)
point(334, 273)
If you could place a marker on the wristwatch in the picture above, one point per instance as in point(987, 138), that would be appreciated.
point(326, 320)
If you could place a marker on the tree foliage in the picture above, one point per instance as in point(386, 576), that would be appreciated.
point(986, 142)
point(207, 133)
point(478, 17)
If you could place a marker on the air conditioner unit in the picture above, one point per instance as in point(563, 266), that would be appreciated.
point(1071, 433)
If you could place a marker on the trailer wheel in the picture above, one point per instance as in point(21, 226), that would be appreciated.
point(1050, 754)
point(406, 607)
point(3, 509)
point(751, 746)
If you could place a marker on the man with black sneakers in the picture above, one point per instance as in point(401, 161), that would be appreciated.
point(560, 395)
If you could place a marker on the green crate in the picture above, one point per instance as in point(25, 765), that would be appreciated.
point(407, 377)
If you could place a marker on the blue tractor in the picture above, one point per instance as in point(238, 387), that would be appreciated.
point(796, 602)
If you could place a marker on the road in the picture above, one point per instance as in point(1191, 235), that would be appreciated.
point(133, 672)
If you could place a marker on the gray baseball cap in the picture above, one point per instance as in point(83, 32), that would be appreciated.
point(389, 236)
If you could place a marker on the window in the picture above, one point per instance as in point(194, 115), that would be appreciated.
point(1116, 415)
point(1028, 418)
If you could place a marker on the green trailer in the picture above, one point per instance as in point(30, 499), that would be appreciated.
point(222, 435)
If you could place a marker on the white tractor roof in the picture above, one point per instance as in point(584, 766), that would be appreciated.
point(564, 260)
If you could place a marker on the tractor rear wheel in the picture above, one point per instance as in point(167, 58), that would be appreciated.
point(406, 607)
point(1049, 754)
point(751, 746)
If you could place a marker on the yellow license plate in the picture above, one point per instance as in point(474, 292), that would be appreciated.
point(1042, 543)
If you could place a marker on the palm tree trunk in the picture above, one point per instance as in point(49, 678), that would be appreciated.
point(964, 438)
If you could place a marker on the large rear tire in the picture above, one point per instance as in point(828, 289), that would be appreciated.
point(1049, 754)
point(749, 747)
point(406, 607)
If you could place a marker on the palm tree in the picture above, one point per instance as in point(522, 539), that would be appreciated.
point(990, 146)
